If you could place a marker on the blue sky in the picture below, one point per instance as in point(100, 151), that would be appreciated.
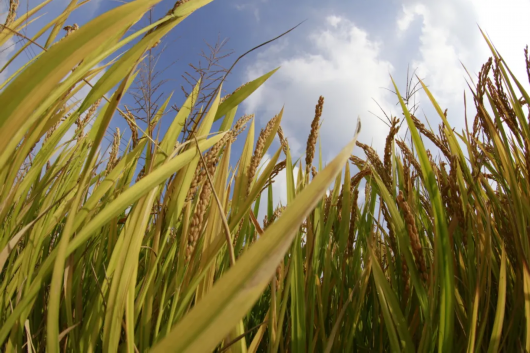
point(345, 51)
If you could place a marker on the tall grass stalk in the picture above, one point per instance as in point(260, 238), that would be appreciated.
point(159, 247)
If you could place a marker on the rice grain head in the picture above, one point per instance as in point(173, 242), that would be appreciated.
point(113, 156)
point(313, 135)
point(283, 140)
point(413, 235)
point(70, 29)
point(388, 146)
point(258, 151)
point(11, 14)
point(230, 94)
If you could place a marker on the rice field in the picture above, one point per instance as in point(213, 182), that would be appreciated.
point(158, 247)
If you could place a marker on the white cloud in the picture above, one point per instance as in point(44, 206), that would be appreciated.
point(340, 62)
point(334, 20)
point(508, 26)
point(346, 65)
point(450, 36)
point(447, 36)
point(406, 18)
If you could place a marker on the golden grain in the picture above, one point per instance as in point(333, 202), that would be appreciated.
point(413, 235)
point(431, 136)
point(12, 13)
point(388, 146)
point(223, 99)
point(376, 162)
point(283, 140)
point(313, 135)
point(258, 151)
point(113, 156)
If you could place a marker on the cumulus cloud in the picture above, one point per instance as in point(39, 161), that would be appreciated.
point(334, 20)
point(405, 19)
point(339, 61)
point(348, 66)
point(450, 37)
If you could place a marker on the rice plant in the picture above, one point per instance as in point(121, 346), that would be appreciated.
point(159, 247)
